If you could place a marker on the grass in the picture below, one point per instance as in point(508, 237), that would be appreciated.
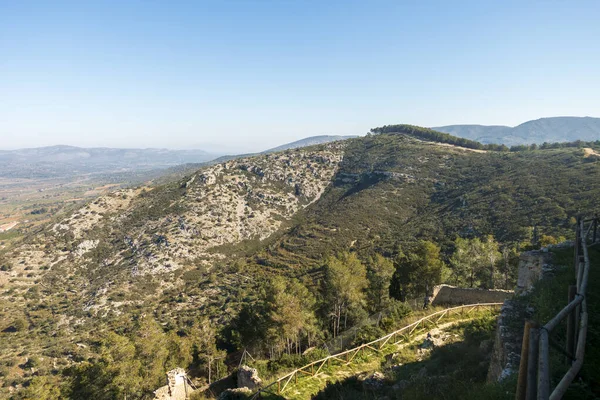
point(451, 371)
point(368, 361)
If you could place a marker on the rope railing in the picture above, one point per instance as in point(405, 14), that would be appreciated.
point(346, 357)
point(534, 376)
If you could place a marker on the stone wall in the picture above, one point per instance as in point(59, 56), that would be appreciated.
point(450, 295)
point(506, 354)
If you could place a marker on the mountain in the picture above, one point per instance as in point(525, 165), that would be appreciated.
point(309, 141)
point(551, 130)
point(136, 269)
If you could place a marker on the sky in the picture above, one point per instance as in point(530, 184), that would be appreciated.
point(248, 75)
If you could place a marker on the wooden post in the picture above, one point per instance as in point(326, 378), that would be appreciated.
point(543, 390)
point(571, 327)
point(522, 379)
point(577, 248)
point(534, 336)
point(278, 387)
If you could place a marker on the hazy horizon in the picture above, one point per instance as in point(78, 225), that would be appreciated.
point(247, 76)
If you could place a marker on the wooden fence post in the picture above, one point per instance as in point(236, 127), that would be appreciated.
point(571, 325)
point(522, 380)
point(534, 337)
point(577, 248)
point(543, 390)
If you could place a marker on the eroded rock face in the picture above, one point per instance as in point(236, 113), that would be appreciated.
point(248, 378)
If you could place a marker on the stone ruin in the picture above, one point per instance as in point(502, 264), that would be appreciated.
point(177, 387)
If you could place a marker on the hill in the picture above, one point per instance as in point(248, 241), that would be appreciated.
point(309, 141)
point(202, 247)
point(554, 129)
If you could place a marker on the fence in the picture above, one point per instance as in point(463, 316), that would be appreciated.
point(396, 337)
point(534, 370)
point(338, 343)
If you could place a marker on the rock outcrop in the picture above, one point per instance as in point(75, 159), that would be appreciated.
point(247, 377)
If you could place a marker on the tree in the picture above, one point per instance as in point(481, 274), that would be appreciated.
point(151, 350)
point(418, 270)
point(345, 282)
point(206, 356)
point(291, 313)
point(471, 258)
point(115, 375)
point(491, 253)
point(510, 260)
point(379, 272)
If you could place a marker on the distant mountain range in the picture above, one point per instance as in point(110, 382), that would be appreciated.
point(555, 129)
point(70, 161)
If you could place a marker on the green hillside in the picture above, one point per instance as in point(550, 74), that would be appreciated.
point(392, 190)
point(274, 253)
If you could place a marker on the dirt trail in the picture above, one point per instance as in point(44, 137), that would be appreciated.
point(451, 145)
point(590, 152)
point(460, 148)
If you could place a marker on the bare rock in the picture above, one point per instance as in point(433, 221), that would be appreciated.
point(248, 378)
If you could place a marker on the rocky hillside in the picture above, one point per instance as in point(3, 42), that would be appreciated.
point(130, 233)
point(200, 246)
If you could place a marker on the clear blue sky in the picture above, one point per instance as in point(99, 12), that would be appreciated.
point(247, 75)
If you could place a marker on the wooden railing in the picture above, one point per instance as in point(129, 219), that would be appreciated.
point(395, 338)
point(534, 372)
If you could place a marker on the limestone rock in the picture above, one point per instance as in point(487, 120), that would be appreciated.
point(247, 377)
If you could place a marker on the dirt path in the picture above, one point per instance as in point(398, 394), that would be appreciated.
point(460, 148)
point(451, 146)
point(590, 152)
